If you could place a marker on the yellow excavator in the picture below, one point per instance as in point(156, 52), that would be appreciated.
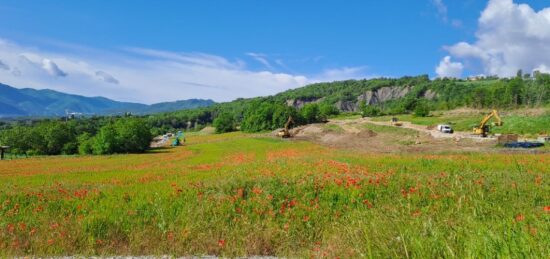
point(285, 133)
point(395, 122)
point(483, 128)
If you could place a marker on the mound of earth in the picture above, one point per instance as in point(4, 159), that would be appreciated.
point(208, 130)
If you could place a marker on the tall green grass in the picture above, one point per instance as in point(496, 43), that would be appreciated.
point(241, 195)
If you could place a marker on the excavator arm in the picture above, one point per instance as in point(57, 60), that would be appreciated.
point(485, 120)
point(288, 122)
point(499, 120)
point(285, 133)
point(483, 128)
point(494, 113)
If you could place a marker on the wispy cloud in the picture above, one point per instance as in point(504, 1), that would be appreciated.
point(344, 73)
point(442, 10)
point(262, 58)
point(106, 77)
point(149, 75)
point(196, 58)
point(443, 13)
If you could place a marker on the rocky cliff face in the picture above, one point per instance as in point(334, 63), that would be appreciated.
point(373, 97)
point(299, 103)
point(384, 94)
point(430, 95)
point(347, 106)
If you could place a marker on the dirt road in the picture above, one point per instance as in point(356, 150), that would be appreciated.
point(433, 132)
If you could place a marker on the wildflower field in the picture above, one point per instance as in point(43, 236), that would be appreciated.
point(236, 195)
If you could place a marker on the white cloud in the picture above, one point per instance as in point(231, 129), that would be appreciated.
point(104, 76)
point(15, 71)
point(542, 69)
point(52, 68)
point(4, 66)
point(447, 68)
point(147, 75)
point(510, 37)
point(342, 74)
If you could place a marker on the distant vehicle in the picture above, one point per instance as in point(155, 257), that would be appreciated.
point(445, 129)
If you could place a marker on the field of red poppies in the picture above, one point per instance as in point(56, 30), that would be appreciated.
point(238, 195)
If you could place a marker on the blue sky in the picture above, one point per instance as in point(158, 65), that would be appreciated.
point(228, 49)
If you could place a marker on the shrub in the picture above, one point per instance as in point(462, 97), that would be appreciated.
point(224, 122)
point(310, 112)
point(133, 135)
point(326, 110)
point(422, 109)
point(106, 141)
point(85, 144)
point(371, 111)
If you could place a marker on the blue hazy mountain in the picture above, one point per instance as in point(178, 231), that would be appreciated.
point(16, 102)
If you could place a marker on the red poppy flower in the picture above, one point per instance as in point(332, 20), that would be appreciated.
point(520, 217)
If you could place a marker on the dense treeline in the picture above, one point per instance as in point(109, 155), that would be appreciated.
point(313, 103)
point(267, 113)
point(84, 136)
point(270, 115)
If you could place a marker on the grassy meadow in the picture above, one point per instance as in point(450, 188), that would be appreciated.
point(237, 194)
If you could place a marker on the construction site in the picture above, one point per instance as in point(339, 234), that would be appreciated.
point(396, 136)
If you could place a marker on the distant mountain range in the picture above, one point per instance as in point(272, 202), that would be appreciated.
point(16, 102)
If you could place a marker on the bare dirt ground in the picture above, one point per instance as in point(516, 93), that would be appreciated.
point(457, 135)
point(381, 137)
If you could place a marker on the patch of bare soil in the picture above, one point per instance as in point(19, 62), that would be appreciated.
point(208, 130)
point(352, 134)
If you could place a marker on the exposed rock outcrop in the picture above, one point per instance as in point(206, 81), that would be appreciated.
point(299, 103)
point(373, 97)
point(430, 95)
point(347, 106)
point(384, 94)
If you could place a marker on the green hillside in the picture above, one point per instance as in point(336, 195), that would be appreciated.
point(387, 96)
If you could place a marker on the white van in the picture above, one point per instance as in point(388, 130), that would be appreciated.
point(445, 129)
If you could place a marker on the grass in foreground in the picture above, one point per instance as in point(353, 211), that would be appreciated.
point(236, 195)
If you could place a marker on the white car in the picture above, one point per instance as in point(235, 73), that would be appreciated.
point(445, 129)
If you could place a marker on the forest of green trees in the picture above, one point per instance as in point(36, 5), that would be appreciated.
point(267, 113)
point(84, 136)
point(107, 135)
